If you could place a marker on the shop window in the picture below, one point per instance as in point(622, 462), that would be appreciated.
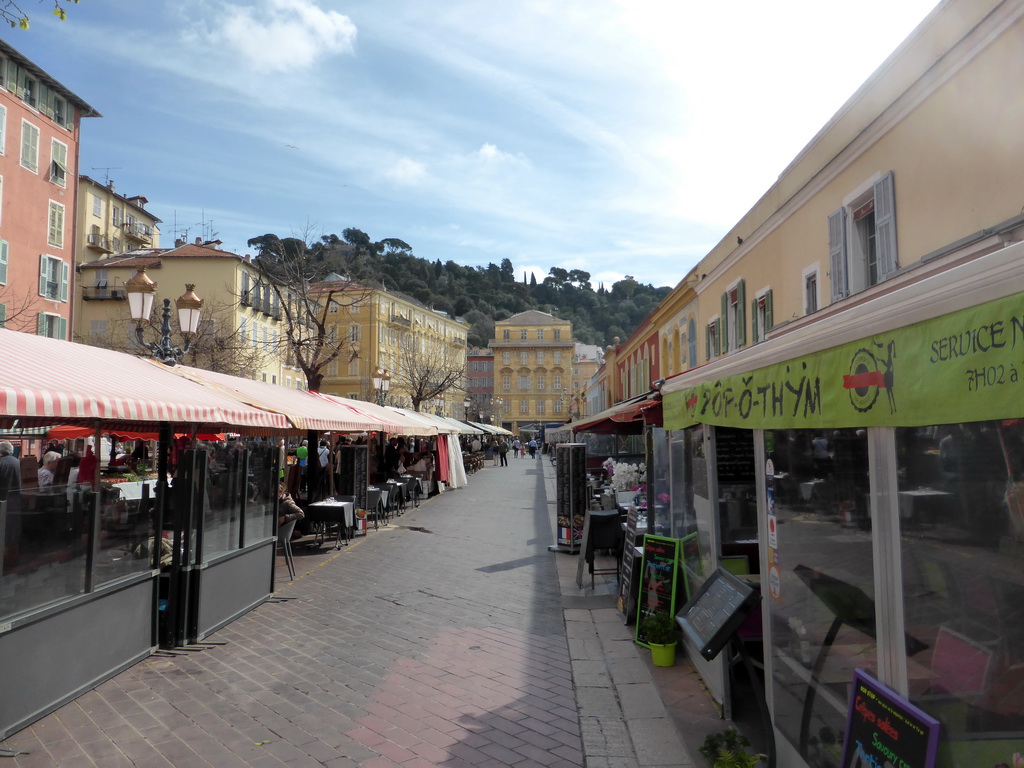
point(961, 515)
point(862, 240)
point(824, 615)
point(761, 320)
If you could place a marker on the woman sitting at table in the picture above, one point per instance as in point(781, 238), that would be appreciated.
point(288, 510)
point(45, 474)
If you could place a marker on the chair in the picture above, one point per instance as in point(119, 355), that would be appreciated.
point(284, 540)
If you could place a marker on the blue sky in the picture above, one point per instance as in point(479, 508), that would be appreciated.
point(613, 136)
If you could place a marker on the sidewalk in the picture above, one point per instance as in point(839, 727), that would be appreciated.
point(452, 637)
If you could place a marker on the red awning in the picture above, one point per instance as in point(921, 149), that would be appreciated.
point(629, 415)
point(71, 432)
point(47, 381)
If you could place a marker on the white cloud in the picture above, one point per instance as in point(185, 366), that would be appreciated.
point(284, 35)
point(489, 154)
point(408, 172)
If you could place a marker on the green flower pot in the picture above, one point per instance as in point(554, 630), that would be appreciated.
point(663, 655)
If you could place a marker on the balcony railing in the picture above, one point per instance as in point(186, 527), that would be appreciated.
point(99, 241)
point(102, 293)
point(138, 231)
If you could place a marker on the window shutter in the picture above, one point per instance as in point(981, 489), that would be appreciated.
point(42, 275)
point(41, 324)
point(885, 225)
point(3, 262)
point(769, 314)
point(741, 308)
point(707, 342)
point(65, 271)
point(62, 328)
point(723, 341)
point(754, 337)
point(245, 286)
point(720, 347)
point(3, 315)
point(837, 254)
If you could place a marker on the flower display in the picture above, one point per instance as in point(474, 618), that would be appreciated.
point(625, 477)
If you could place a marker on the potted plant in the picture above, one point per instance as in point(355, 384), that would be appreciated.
point(659, 631)
point(728, 749)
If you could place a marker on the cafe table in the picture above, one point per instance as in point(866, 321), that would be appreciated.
point(333, 510)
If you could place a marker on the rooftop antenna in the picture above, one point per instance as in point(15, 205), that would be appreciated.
point(106, 169)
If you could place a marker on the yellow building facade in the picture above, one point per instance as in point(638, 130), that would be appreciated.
point(404, 339)
point(533, 363)
point(108, 223)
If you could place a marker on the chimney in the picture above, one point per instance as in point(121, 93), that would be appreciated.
point(178, 242)
point(199, 241)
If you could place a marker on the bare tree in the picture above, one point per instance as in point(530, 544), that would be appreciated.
point(427, 368)
point(21, 308)
point(314, 279)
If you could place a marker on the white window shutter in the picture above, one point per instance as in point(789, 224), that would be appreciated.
point(885, 225)
point(837, 254)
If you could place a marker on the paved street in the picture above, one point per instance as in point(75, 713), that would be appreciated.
point(453, 637)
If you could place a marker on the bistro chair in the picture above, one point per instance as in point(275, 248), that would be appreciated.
point(284, 540)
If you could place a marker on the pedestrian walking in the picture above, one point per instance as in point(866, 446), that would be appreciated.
point(532, 448)
point(503, 452)
point(517, 447)
point(494, 453)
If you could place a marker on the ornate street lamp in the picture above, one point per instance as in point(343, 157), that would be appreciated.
point(381, 385)
point(440, 405)
point(465, 408)
point(141, 292)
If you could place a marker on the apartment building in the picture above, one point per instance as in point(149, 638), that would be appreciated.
point(108, 223)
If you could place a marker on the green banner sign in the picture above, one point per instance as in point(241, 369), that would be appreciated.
point(964, 366)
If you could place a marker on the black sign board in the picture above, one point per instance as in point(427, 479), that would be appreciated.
point(883, 728)
point(351, 478)
point(656, 592)
point(627, 594)
point(713, 615)
point(734, 455)
point(570, 495)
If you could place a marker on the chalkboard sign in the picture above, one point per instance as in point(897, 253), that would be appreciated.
point(883, 728)
point(656, 592)
point(351, 477)
point(734, 455)
point(627, 594)
point(570, 495)
point(713, 615)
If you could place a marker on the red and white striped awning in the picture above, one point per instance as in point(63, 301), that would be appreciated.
point(394, 421)
point(49, 381)
point(305, 410)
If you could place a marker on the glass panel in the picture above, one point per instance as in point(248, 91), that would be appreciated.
point(961, 498)
point(657, 493)
point(259, 505)
point(44, 548)
point(226, 486)
point(127, 513)
point(823, 622)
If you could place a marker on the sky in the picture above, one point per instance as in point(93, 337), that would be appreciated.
point(618, 137)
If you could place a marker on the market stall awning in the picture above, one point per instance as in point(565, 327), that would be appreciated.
point(73, 431)
point(305, 410)
point(633, 412)
point(50, 381)
point(429, 420)
point(387, 420)
point(460, 427)
point(486, 429)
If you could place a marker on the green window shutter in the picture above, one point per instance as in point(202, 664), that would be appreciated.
point(741, 308)
point(65, 275)
point(723, 344)
point(885, 225)
point(62, 328)
point(3, 315)
point(707, 342)
point(720, 346)
point(41, 324)
point(769, 316)
point(42, 275)
point(3, 261)
point(754, 338)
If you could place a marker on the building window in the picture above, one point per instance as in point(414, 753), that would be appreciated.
point(98, 329)
point(557, 384)
point(53, 278)
point(506, 383)
point(540, 382)
point(522, 357)
point(542, 407)
point(116, 216)
point(524, 407)
point(522, 334)
point(53, 326)
point(353, 367)
point(713, 339)
point(540, 357)
point(506, 358)
point(58, 163)
point(97, 206)
point(524, 383)
point(29, 146)
point(243, 330)
point(354, 334)
point(540, 334)
point(862, 240)
point(811, 292)
point(761, 320)
point(558, 333)
point(255, 336)
point(266, 339)
point(558, 357)
point(734, 332)
point(55, 235)
point(505, 335)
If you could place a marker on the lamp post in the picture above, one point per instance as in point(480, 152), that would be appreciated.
point(381, 385)
point(439, 410)
point(141, 291)
point(465, 408)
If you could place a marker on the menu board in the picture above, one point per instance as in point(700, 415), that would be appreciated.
point(352, 477)
point(656, 592)
point(734, 455)
point(627, 594)
point(713, 615)
point(883, 728)
point(570, 495)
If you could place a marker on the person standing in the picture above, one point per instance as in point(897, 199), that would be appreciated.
point(532, 448)
point(503, 452)
point(10, 470)
point(517, 447)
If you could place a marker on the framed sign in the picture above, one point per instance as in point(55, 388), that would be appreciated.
point(627, 594)
point(656, 592)
point(883, 728)
point(570, 495)
point(716, 611)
